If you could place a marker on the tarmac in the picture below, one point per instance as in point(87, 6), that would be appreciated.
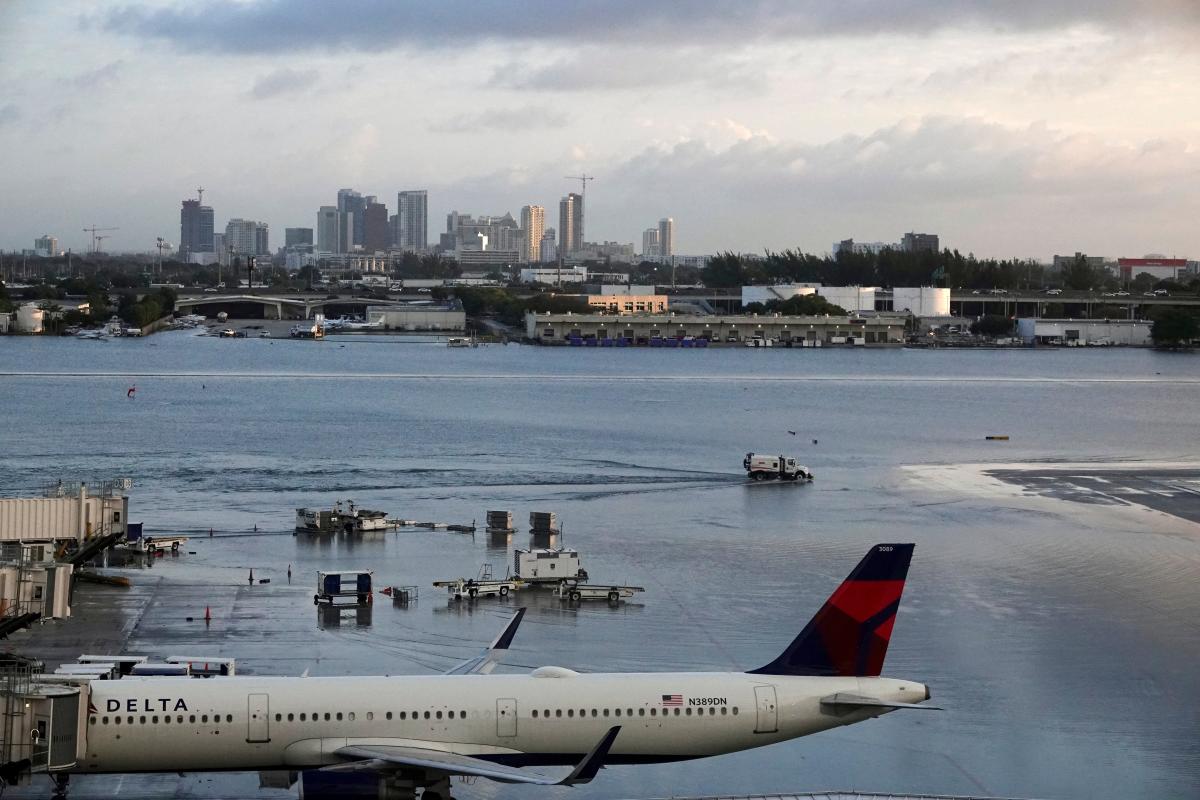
point(1174, 491)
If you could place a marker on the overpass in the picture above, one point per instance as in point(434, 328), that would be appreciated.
point(275, 306)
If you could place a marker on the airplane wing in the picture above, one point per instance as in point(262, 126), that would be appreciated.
point(485, 662)
point(845, 700)
point(382, 758)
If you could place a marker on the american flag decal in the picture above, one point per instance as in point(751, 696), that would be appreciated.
point(672, 699)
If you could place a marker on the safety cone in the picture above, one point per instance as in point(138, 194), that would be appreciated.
point(207, 614)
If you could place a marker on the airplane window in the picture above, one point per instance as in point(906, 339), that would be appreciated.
point(570, 712)
point(617, 712)
point(439, 715)
point(654, 712)
point(370, 715)
point(735, 711)
point(339, 716)
point(629, 712)
point(104, 720)
point(350, 716)
point(462, 714)
point(279, 717)
point(403, 715)
point(558, 712)
point(291, 717)
point(416, 714)
point(547, 712)
point(712, 711)
point(677, 711)
point(92, 721)
point(606, 712)
point(229, 717)
point(141, 720)
point(450, 714)
point(689, 711)
point(594, 712)
point(641, 712)
point(426, 715)
point(724, 711)
point(192, 718)
point(167, 719)
point(154, 719)
point(303, 716)
point(389, 715)
point(327, 716)
point(535, 713)
point(116, 720)
point(129, 721)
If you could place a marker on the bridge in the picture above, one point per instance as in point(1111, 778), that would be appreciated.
point(301, 306)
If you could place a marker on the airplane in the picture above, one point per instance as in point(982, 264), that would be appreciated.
point(387, 737)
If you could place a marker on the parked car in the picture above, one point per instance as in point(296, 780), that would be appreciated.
point(1054, 291)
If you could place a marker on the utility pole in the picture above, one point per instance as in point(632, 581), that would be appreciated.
point(160, 243)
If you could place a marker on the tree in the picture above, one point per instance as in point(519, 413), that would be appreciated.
point(992, 325)
point(1142, 282)
point(723, 271)
point(1175, 327)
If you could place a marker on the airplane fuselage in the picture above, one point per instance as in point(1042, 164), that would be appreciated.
point(552, 716)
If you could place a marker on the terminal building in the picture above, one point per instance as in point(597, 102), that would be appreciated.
point(1082, 332)
point(765, 329)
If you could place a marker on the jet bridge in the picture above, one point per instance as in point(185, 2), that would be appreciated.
point(42, 724)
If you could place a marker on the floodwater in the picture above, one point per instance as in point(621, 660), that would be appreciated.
point(1061, 635)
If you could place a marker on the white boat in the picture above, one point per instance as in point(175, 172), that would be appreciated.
point(96, 334)
point(461, 341)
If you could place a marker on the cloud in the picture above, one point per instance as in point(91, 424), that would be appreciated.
point(99, 78)
point(990, 187)
point(283, 81)
point(502, 119)
point(282, 25)
point(9, 114)
point(626, 68)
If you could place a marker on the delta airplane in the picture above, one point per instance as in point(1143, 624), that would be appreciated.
point(387, 737)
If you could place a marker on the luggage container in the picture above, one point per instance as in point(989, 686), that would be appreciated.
point(547, 565)
point(343, 586)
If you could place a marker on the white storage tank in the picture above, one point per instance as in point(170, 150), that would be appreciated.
point(30, 319)
point(922, 301)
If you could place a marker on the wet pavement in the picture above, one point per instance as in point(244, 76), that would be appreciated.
point(1172, 491)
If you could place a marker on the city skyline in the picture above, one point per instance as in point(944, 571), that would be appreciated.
point(1015, 132)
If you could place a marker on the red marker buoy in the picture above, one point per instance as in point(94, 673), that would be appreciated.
point(207, 614)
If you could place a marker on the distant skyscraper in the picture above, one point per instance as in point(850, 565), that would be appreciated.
point(298, 237)
point(666, 237)
point(548, 250)
point(650, 242)
point(354, 204)
point(918, 242)
point(533, 226)
point(412, 220)
point(329, 228)
point(375, 228)
point(195, 228)
point(46, 246)
point(247, 237)
point(570, 224)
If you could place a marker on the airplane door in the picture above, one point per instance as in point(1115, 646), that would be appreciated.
point(768, 714)
point(257, 724)
point(506, 717)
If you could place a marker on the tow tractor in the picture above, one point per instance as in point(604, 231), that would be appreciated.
point(482, 586)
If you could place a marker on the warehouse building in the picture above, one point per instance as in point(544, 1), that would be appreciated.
point(418, 317)
point(645, 329)
point(1080, 332)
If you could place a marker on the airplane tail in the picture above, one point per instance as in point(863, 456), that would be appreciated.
point(849, 635)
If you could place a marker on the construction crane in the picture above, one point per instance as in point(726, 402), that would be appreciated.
point(97, 239)
point(100, 241)
point(583, 179)
point(200, 195)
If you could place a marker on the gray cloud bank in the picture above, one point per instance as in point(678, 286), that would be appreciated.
point(283, 25)
point(502, 119)
point(283, 81)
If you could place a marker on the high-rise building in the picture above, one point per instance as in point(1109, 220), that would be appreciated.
point(195, 228)
point(412, 220)
point(533, 226)
point(650, 243)
point(329, 230)
point(919, 242)
point(666, 237)
point(352, 203)
point(548, 250)
point(247, 237)
point(46, 246)
point(375, 227)
point(298, 238)
point(570, 224)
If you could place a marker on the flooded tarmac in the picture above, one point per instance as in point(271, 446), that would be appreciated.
point(1053, 614)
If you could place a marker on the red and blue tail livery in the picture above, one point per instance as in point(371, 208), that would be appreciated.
point(849, 635)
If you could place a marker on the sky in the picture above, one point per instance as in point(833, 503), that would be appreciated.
point(1012, 128)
